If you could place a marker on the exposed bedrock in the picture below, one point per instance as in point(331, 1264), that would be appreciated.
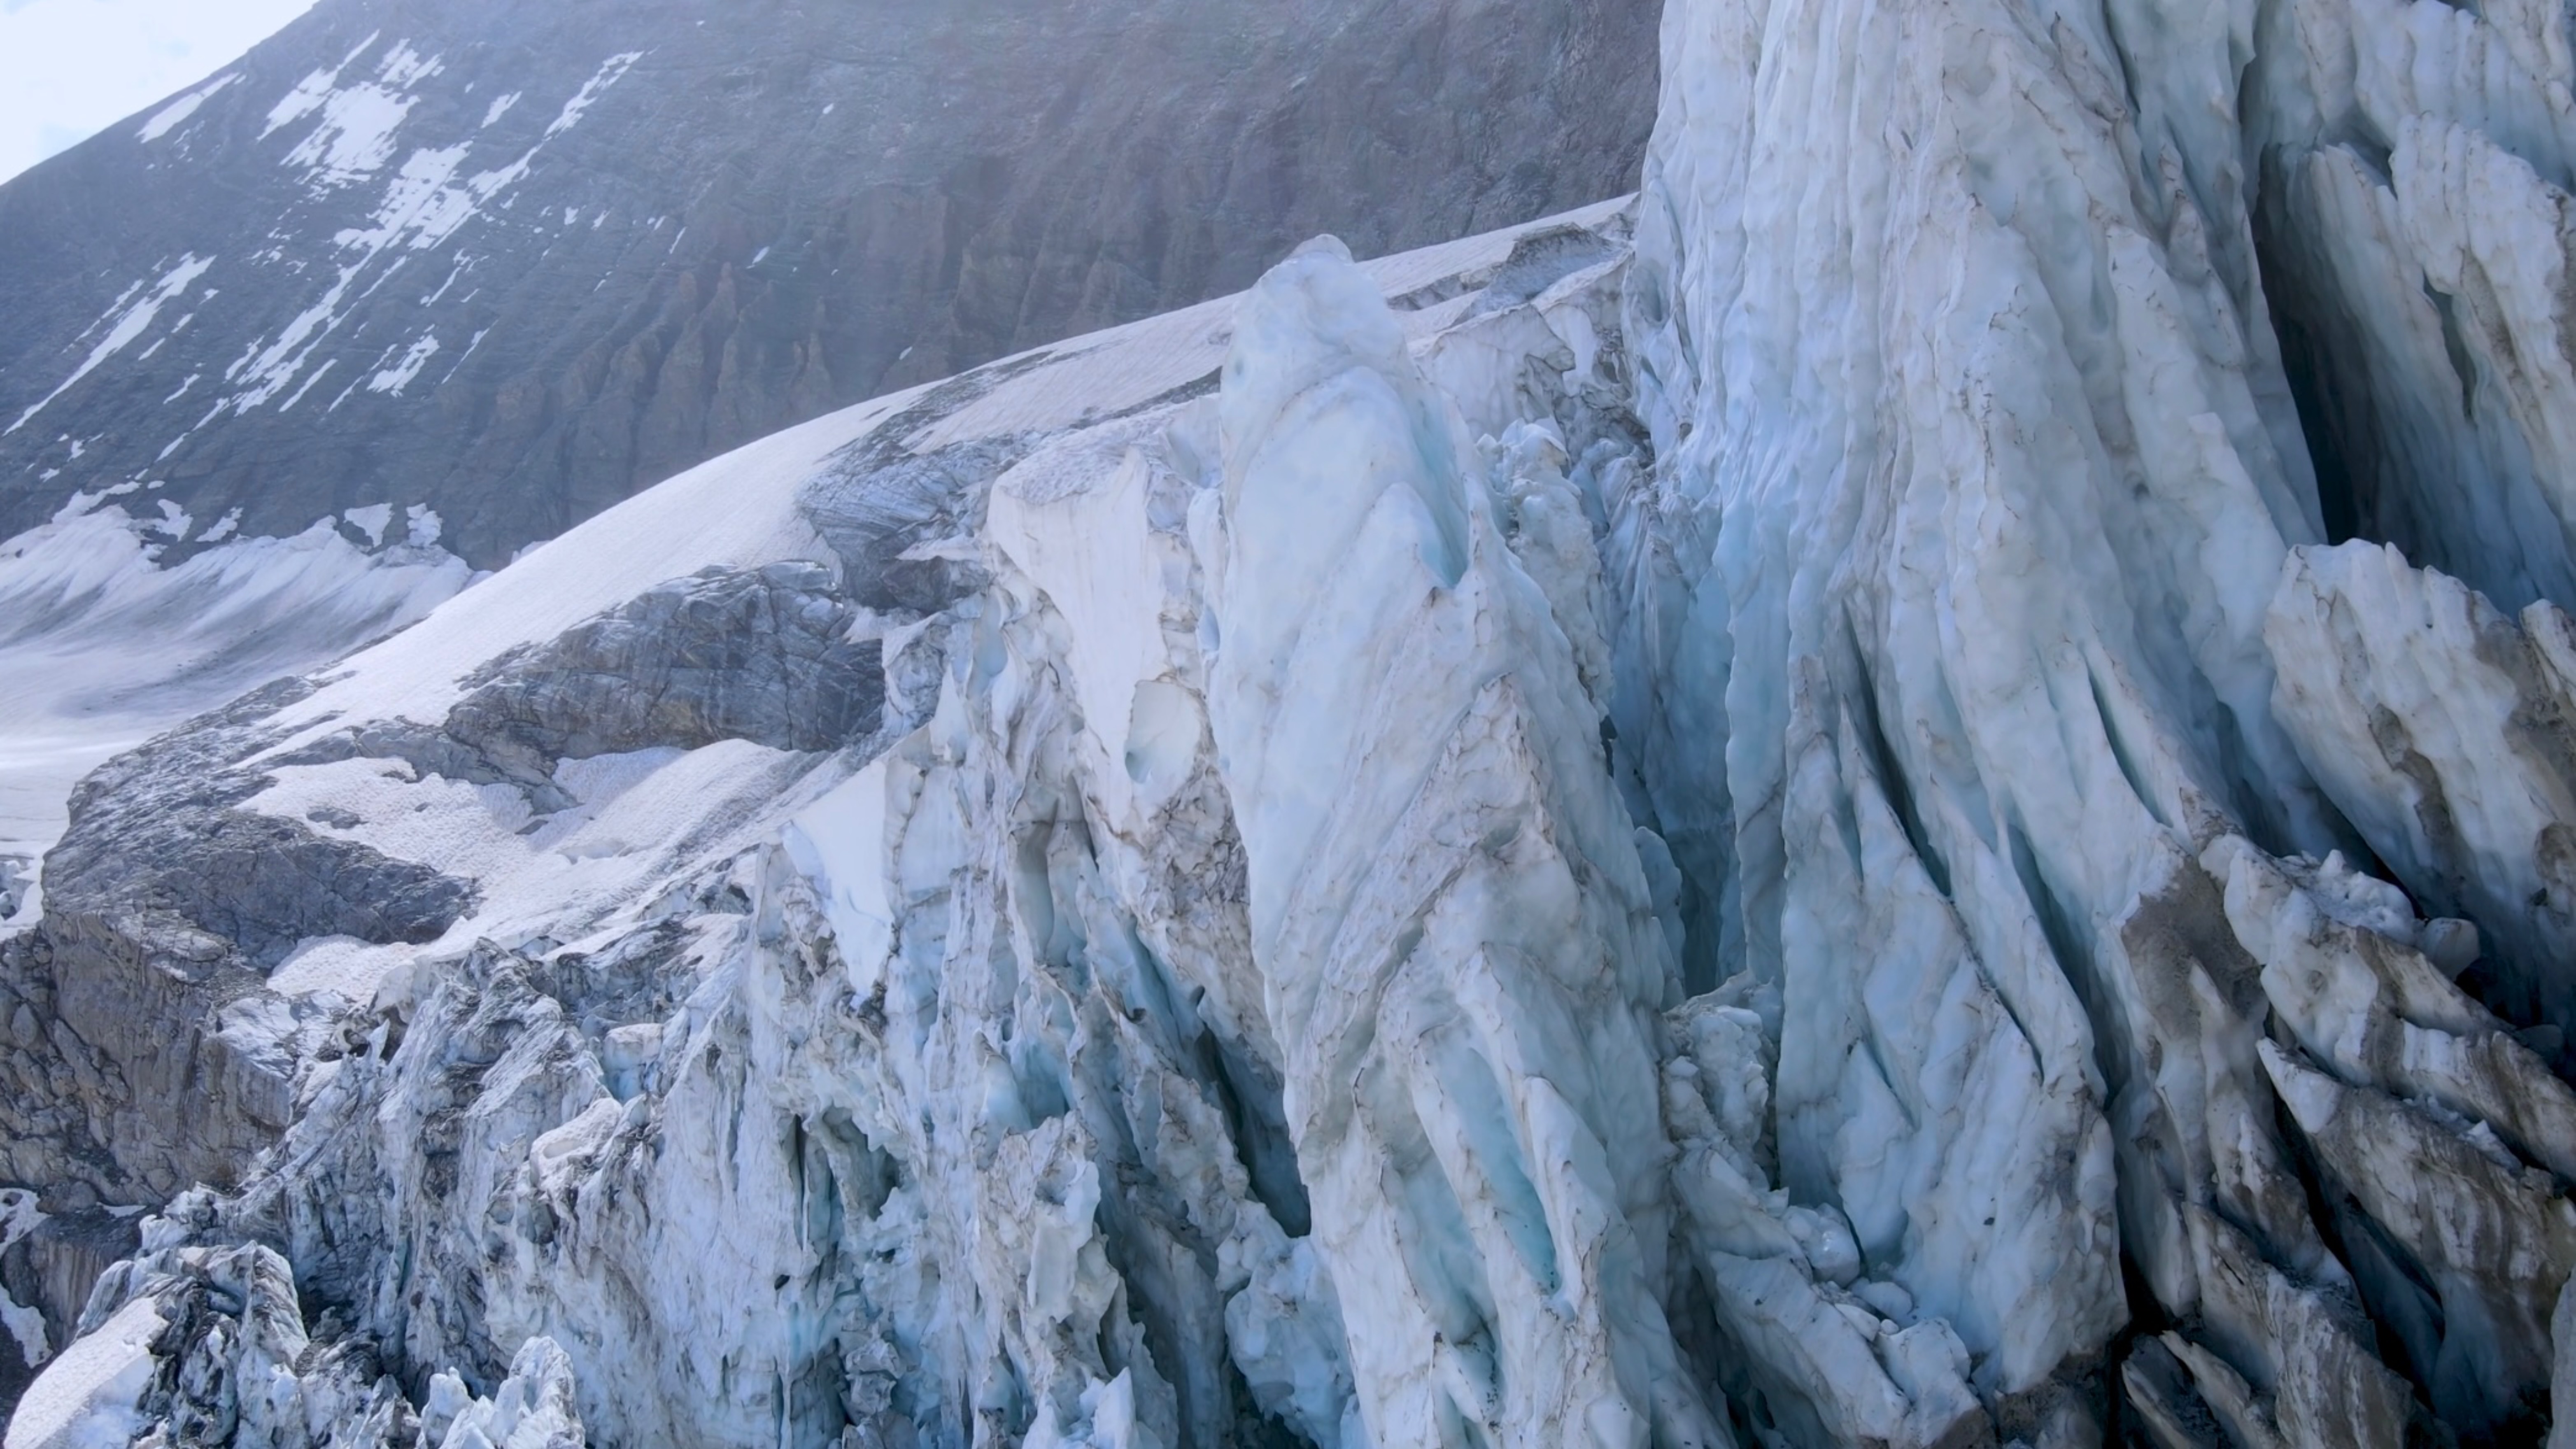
point(145, 1053)
point(762, 656)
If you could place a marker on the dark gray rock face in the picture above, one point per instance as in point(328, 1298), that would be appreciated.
point(511, 263)
point(157, 847)
point(140, 1047)
point(757, 656)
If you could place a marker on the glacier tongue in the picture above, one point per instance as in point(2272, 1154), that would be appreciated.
point(1752, 817)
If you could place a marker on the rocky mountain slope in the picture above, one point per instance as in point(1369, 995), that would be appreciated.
point(413, 287)
point(1913, 791)
point(512, 263)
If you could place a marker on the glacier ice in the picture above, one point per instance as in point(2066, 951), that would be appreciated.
point(1457, 949)
point(1913, 791)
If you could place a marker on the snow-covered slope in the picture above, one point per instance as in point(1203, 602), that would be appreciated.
point(456, 277)
point(1784, 814)
point(105, 646)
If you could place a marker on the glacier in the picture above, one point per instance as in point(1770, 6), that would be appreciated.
point(1914, 790)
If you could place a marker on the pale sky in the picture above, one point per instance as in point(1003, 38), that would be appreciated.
point(71, 68)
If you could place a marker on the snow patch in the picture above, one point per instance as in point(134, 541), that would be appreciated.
point(90, 1397)
point(372, 521)
point(312, 91)
point(635, 817)
point(129, 324)
point(404, 66)
point(355, 137)
point(393, 379)
point(169, 117)
point(106, 649)
point(610, 72)
point(423, 206)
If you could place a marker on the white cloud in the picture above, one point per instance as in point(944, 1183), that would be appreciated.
point(72, 68)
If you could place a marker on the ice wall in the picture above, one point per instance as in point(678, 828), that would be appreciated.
point(1955, 328)
point(1915, 795)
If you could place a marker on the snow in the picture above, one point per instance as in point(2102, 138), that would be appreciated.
point(87, 1398)
point(129, 321)
point(19, 1216)
point(315, 89)
point(171, 116)
point(735, 511)
point(1128, 365)
point(395, 378)
point(311, 381)
point(429, 198)
point(610, 72)
point(372, 520)
point(404, 66)
point(110, 648)
point(739, 510)
point(355, 137)
point(300, 102)
point(551, 875)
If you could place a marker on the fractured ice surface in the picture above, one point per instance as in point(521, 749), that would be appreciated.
point(1755, 817)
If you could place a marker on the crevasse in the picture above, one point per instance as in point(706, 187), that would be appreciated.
point(1884, 798)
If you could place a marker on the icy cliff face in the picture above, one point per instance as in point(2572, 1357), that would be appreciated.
point(1784, 814)
point(938, 1029)
point(1992, 551)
